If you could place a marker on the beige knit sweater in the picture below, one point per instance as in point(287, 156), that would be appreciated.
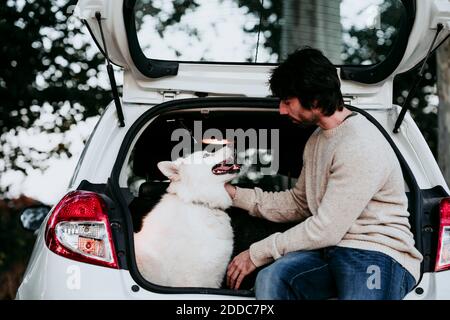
point(350, 193)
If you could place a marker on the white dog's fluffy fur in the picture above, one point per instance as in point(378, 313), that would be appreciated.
point(187, 239)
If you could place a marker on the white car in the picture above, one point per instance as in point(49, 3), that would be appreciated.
point(208, 69)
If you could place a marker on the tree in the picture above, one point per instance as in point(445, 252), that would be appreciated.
point(45, 66)
point(443, 74)
point(315, 23)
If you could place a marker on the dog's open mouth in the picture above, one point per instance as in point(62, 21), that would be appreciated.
point(225, 168)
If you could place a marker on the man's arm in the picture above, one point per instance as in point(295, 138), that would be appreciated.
point(352, 183)
point(285, 206)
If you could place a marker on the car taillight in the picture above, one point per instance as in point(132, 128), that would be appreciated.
point(443, 253)
point(79, 229)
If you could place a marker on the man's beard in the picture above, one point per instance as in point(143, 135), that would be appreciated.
point(306, 123)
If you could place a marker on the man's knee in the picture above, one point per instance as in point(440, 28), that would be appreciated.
point(298, 275)
point(269, 276)
point(270, 284)
point(275, 280)
point(278, 272)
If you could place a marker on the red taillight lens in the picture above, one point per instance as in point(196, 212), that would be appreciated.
point(78, 229)
point(443, 253)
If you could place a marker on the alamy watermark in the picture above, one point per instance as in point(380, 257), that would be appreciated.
point(73, 280)
point(374, 279)
point(245, 143)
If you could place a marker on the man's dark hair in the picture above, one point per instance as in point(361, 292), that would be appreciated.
point(308, 75)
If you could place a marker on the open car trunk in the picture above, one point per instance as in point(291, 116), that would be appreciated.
point(284, 139)
point(138, 185)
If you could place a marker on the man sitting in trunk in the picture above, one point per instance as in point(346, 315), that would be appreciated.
point(353, 239)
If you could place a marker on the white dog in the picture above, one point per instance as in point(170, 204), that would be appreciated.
point(187, 239)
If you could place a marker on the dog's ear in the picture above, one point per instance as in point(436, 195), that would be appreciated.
point(169, 169)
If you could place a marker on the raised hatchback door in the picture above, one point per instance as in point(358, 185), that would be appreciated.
point(228, 47)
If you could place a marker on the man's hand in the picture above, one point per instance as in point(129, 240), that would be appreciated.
point(231, 190)
point(238, 268)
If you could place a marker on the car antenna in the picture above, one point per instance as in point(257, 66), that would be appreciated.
point(112, 78)
point(415, 85)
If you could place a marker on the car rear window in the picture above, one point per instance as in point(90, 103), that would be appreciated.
point(349, 32)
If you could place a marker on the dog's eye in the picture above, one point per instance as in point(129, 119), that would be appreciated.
point(206, 155)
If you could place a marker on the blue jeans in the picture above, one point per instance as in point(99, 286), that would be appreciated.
point(334, 272)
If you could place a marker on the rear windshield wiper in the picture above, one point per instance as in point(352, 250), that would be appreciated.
point(416, 83)
point(112, 78)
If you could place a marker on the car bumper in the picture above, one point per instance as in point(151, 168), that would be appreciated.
point(53, 277)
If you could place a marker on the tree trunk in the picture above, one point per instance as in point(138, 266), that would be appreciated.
point(316, 23)
point(443, 84)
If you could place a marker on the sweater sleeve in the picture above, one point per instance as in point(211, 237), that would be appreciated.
point(357, 173)
point(285, 206)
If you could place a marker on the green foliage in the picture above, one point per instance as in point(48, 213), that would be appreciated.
point(270, 26)
point(147, 8)
point(44, 64)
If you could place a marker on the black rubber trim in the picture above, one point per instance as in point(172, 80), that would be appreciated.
point(181, 104)
point(415, 200)
point(148, 67)
point(267, 103)
point(371, 74)
point(85, 185)
point(423, 206)
point(378, 72)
